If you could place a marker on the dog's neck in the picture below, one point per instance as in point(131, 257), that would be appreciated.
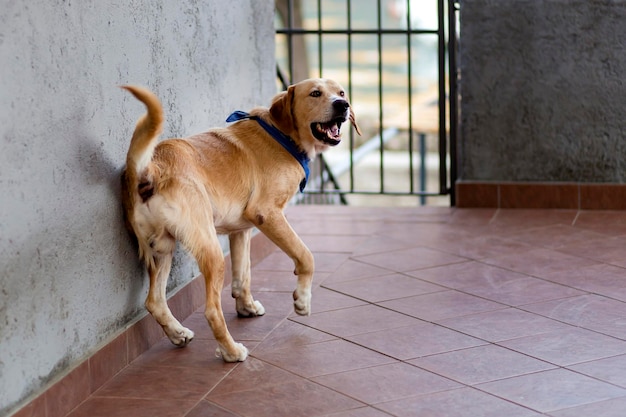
point(285, 141)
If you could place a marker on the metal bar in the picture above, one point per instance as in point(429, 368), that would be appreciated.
point(284, 81)
point(390, 193)
point(322, 162)
point(351, 137)
point(319, 37)
point(302, 31)
point(453, 96)
point(380, 96)
point(290, 34)
point(443, 179)
point(322, 167)
point(410, 94)
point(422, 139)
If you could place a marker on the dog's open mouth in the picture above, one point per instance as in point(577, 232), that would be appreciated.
point(329, 132)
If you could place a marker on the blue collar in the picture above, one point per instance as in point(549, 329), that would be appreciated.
point(281, 138)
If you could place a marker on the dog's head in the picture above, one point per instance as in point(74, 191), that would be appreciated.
point(312, 113)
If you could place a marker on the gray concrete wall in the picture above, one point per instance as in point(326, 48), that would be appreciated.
point(543, 90)
point(69, 274)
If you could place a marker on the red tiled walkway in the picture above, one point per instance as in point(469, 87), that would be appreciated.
point(416, 312)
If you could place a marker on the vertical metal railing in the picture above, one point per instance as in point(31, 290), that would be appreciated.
point(443, 173)
point(454, 76)
point(447, 107)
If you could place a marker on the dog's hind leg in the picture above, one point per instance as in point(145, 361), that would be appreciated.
point(156, 302)
point(240, 258)
point(194, 229)
point(211, 262)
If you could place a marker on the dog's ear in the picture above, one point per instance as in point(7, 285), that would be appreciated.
point(282, 112)
point(353, 121)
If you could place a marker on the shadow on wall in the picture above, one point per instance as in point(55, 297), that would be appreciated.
point(99, 168)
point(51, 261)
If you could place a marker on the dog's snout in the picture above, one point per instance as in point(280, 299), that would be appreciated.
point(341, 105)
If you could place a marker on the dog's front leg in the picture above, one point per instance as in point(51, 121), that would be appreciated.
point(278, 230)
point(240, 258)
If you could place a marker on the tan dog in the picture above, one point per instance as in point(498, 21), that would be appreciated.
point(226, 181)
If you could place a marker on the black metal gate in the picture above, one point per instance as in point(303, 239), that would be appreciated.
point(397, 59)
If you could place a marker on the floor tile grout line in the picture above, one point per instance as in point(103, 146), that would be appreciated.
point(250, 355)
point(347, 294)
point(509, 400)
point(304, 378)
point(374, 405)
point(486, 342)
point(556, 365)
point(544, 371)
point(465, 386)
point(594, 377)
point(574, 325)
point(423, 320)
point(548, 280)
point(506, 305)
point(214, 405)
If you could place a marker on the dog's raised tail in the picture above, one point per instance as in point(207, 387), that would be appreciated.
point(147, 131)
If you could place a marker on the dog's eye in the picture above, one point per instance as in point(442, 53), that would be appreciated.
point(315, 93)
point(342, 94)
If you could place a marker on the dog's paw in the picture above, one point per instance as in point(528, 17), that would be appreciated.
point(249, 309)
point(302, 302)
point(180, 337)
point(238, 355)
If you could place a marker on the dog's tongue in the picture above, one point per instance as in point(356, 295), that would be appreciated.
point(334, 130)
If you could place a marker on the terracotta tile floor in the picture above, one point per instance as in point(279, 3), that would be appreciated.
point(417, 312)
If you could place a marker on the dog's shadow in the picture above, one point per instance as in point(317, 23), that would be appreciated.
point(101, 169)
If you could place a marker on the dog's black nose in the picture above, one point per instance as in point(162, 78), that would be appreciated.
point(341, 105)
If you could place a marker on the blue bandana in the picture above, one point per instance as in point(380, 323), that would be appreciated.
point(281, 138)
